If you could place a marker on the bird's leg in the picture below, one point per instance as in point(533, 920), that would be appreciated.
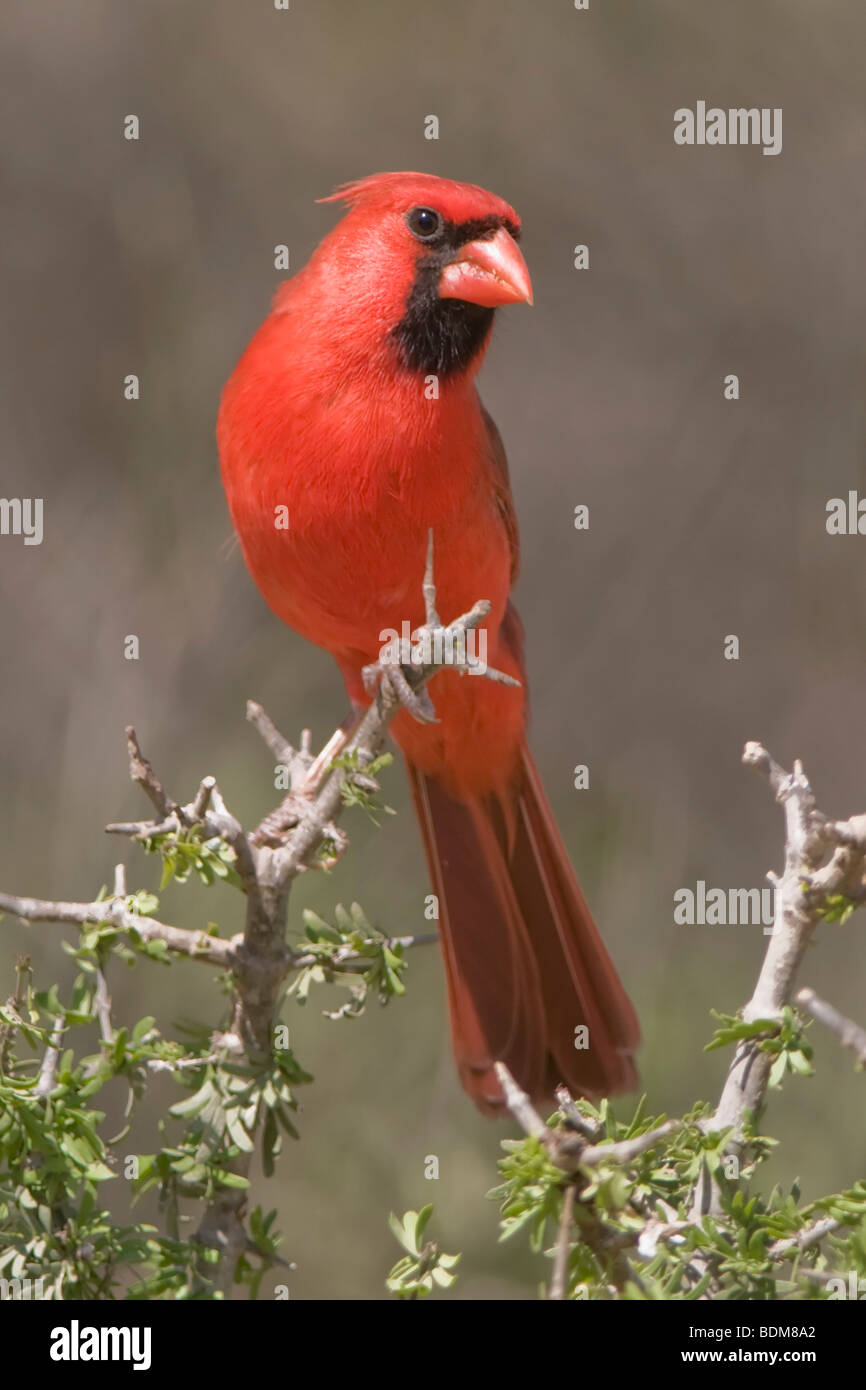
point(393, 674)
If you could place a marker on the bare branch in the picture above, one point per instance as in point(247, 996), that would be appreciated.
point(202, 797)
point(220, 823)
point(567, 1149)
point(626, 1150)
point(849, 1033)
point(141, 772)
point(559, 1282)
point(279, 746)
point(48, 1070)
point(103, 997)
point(804, 1240)
point(589, 1129)
point(214, 950)
point(520, 1105)
point(802, 894)
point(15, 1003)
point(207, 813)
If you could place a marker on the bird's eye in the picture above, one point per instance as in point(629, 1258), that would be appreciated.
point(424, 223)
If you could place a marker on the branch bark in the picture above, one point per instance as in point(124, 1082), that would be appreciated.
point(849, 1033)
point(214, 950)
point(803, 896)
point(267, 860)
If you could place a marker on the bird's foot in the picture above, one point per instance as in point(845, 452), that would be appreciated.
point(391, 681)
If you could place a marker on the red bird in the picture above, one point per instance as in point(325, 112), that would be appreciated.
point(331, 414)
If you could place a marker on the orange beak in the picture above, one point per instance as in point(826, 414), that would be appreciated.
point(488, 272)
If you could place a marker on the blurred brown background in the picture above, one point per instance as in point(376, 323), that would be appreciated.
point(707, 517)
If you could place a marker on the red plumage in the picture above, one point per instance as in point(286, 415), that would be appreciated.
point(327, 414)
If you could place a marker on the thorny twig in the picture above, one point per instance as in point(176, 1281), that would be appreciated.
point(803, 893)
point(849, 1033)
point(825, 867)
point(285, 844)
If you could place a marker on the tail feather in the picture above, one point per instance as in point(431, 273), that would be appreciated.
point(494, 991)
point(563, 933)
point(524, 963)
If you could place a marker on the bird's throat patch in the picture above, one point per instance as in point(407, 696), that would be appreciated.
point(441, 336)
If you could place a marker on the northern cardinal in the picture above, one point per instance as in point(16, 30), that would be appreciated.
point(355, 408)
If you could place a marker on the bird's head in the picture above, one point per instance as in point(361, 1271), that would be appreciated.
point(424, 262)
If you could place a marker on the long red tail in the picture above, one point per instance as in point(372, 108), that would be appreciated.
point(529, 980)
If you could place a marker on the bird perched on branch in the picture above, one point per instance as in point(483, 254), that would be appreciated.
point(354, 413)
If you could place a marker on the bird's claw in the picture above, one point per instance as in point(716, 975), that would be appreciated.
point(417, 702)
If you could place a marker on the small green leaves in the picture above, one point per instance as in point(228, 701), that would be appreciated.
point(184, 852)
point(359, 785)
point(531, 1193)
point(635, 1235)
point(789, 1049)
point(223, 1114)
point(142, 903)
point(424, 1267)
point(262, 1248)
point(54, 1161)
point(735, 1030)
point(352, 954)
point(783, 1038)
point(155, 949)
point(837, 908)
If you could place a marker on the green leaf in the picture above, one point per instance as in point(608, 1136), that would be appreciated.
point(185, 1109)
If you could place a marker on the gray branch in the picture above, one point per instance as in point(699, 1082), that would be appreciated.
point(287, 842)
point(346, 959)
point(804, 1240)
point(48, 1069)
point(114, 912)
point(803, 892)
point(14, 1004)
point(849, 1033)
point(567, 1147)
point(559, 1282)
